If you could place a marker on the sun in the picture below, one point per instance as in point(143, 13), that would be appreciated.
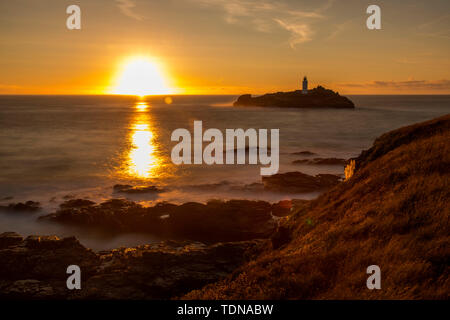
point(141, 76)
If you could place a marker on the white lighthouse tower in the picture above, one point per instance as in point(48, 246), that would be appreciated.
point(305, 86)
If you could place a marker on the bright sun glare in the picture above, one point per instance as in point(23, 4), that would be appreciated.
point(141, 76)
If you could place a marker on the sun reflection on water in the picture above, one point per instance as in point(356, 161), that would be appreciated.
point(141, 106)
point(143, 160)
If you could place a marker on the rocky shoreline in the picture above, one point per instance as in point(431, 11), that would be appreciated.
point(214, 240)
point(35, 268)
point(213, 221)
point(209, 241)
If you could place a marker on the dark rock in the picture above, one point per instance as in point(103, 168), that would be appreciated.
point(126, 188)
point(76, 203)
point(303, 161)
point(9, 239)
point(27, 288)
point(216, 221)
point(282, 208)
point(115, 215)
point(322, 161)
point(157, 271)
point(233, 220)
point(29, 206)
point(50, 242)
point(281, 237)
point(316, 98)
point(297, 182)
point(164, 270)
point(35, 268)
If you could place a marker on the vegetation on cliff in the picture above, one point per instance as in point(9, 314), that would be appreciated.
point(392, 212)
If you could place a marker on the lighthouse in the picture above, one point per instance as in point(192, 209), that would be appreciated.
point(305, 86)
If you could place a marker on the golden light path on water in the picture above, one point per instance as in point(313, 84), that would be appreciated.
point(143, 161)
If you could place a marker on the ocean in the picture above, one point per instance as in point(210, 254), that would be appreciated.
point(54, 148)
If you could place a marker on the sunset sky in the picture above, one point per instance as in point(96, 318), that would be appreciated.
point(227, 46)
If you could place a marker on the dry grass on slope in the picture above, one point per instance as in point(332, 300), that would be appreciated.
point(393, 213)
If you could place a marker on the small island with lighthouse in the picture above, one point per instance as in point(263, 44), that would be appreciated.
point(318, 97)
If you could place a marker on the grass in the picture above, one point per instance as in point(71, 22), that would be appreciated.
point(392, 212)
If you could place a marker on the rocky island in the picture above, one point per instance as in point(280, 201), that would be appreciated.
point(318, 97)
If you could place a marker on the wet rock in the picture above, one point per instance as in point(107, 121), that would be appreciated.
point(164, 270)
point(50, 242)
point(36, 267)
point(322, 161)
point(297, 182)
point(126, 188)
point(28, 288)
point(216, 221)
point(232, 220)
point(29, 206)
point(157, 271)
point(115, 215)
point(76, 203)
point(9, 239)
point(282, 208)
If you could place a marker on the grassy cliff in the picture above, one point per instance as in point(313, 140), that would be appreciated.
point(393, 212)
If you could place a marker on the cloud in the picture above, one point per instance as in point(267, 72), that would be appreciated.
point(340, 28)
point(300, 32)
point(437, 28)
point(266, 16)
point(126, 7)
point(438, 85)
